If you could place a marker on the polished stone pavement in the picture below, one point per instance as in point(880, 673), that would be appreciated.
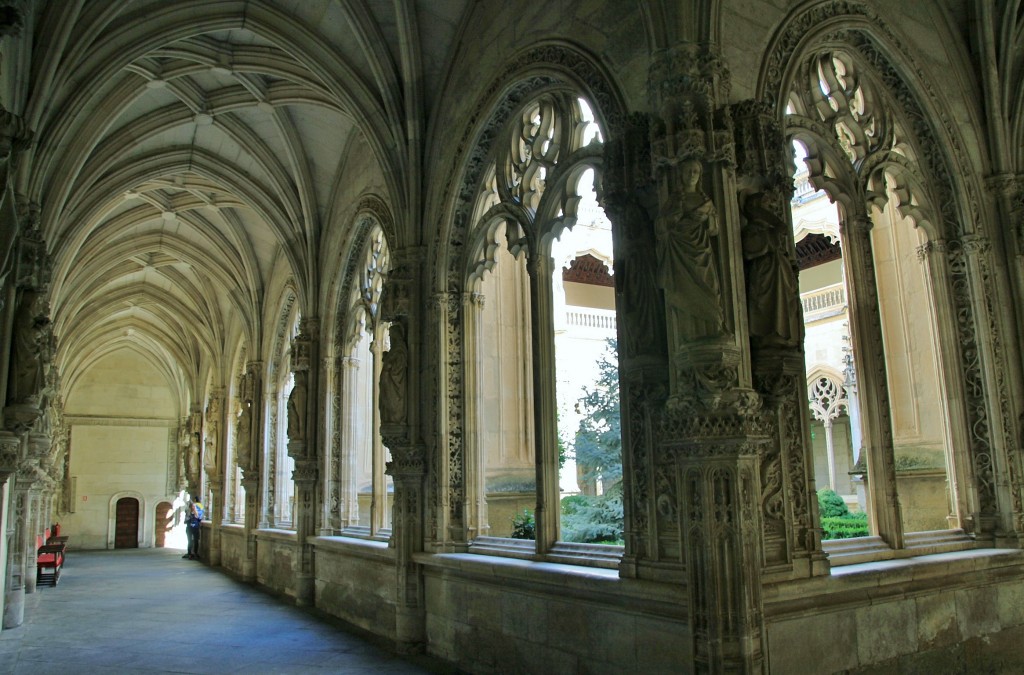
point(149, 611)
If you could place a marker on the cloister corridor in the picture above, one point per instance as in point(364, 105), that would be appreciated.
point(149, 611)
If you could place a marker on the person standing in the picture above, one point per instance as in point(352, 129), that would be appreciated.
point(193, 531)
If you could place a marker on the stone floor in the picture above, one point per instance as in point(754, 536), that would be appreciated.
point(149, 611)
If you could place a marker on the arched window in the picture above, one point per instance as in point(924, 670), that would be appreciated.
point(278, 467)
point(366, 493)
point(861, 273)
point(539, 316)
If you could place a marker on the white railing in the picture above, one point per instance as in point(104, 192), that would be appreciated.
point(603, 319)
point(824, 299)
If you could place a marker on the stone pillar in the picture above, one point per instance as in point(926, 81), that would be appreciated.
point(21, 551)
point(10, 458)
point(475, 506)
point(248, 451)
point(330, 486)
point(876, 414)
point(213, 466)
point(302, 444)
point(349, 494)
point(399, 427)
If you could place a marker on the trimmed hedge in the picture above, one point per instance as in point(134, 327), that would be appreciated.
point(845, 527)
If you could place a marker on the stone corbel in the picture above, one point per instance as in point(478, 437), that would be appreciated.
point(10, 454)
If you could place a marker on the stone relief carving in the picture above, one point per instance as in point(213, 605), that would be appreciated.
point(212, 445)
point(297, 408)
point(687, 265)
point(32, 380)
point(773, 304)
point(393, 378)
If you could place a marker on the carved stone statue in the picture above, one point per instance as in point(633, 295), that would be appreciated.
point(393, 376)
point(243, 436)
point(192, 459)
point(687, 269)
point(644, 328)
point(297, 408)
point(212, 435)
point(772, 295)
point(29, 351)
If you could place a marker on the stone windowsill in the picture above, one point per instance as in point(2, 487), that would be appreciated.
point(276, 535)
point(584, 555)
point(562, 579)
point(361, 548)
point(842, 552)
point(873, 582)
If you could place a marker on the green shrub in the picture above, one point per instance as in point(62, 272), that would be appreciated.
point(831, 505)
point(523, 526)
point(593, 520)
point(845, 527)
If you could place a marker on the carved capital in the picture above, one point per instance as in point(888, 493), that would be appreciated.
point(10, 454)
point(761, 150)
point(305, 472)
point(406, 460)
point(1001, 184)
point(929, 247)
point(976, 244)
point(687, 82)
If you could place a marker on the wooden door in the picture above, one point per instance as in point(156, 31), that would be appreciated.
point(164, 521)
point(126, 525)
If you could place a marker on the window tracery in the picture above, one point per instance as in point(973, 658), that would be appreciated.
point(862, 153)
point(541, 173)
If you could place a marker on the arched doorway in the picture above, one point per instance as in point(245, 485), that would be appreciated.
point(126, 524)
point(164, 521)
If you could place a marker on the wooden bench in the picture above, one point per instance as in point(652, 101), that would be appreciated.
point(49, 558)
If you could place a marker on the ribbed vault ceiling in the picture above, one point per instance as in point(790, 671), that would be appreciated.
point(186, 151)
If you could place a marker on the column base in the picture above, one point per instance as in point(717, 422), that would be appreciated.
point(14, 608)
point(305, 595)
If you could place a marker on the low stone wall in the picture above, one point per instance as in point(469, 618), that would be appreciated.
point(952, 613)
point(355, 582)
point(496, 615)
point(277, 561)
point(232, 548)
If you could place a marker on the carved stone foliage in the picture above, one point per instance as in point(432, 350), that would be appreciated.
point(687, 82)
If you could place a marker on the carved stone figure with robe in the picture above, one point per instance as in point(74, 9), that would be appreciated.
point(297, 408)
point(393, 376)
point(687, 268)
point(644, 329)
point(29, 351)
point(212, 445)
point(772, 294)
point(243, 436)
point(192, 458)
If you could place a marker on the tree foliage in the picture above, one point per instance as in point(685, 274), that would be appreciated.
point(598, 442)
point(598, 451)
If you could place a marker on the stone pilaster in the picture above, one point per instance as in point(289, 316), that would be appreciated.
point(399, 421)
point(791, 540)
point(215, 440)
point(17, 550)
point(248, 445)
point(302, 444)
point(866, 333)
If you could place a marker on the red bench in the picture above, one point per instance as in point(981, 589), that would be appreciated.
point(49, 557)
